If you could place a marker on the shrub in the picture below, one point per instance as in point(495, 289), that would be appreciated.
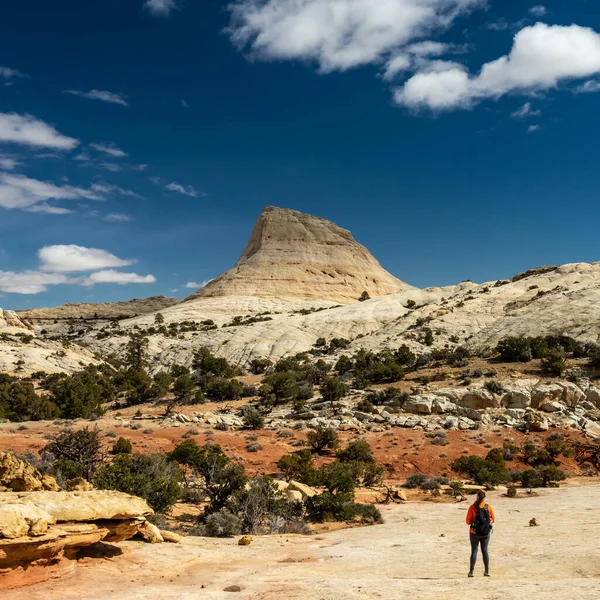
point(299, 466)
point(122, 446)
point(223, 524)
point(259, 366)
point(365, 406)
point(594, 357)
point(356, 451)
point(364, 296)
point(323, 438)
point(428, 339)
point(151, 477)
point(554, 362)
point(333, 390)
point(76, 451)
point(515, 349)
point(415, 481)
point(331, 507)
point(253, 419)
point(490, 470)
point(509, 450)
point(531, 479)
point(220, 476)
point(495, 387)
point(253, 447)
point(511, 491)
point(410, 304)
point(440, 439)
point(344, 364)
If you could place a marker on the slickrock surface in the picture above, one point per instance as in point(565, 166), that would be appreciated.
point(421, 552)
point(10, 322)
point(292, 255)
point(107, 310)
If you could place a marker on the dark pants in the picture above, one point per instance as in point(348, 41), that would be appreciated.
point(475, 541)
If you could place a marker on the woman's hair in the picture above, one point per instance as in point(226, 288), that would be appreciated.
point(479, 499)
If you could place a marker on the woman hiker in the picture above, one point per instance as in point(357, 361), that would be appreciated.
point(480, 519)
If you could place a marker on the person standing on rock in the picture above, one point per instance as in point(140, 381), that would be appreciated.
point(480, 519)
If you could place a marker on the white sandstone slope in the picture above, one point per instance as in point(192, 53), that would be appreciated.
point(291, 255)
point(283, 279)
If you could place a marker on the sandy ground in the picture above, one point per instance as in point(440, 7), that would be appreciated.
point(421, 553)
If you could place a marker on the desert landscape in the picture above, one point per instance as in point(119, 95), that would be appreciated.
point(299, 299)
point(354, 414)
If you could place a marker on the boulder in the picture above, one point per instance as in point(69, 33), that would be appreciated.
point(479, 399)
point(572, 394)
point(170, 536)
point(19, 476)
point(551, 406)
point(150, 533)
point(79, 484)
point(450, 422)
point(516, 397)
point(305, 490)
point(120, 529)
point(21, 519)
point(592, 394)
point(83, 506)
point(565, 392)
point(12, 523)
point(420, 405)
point(294, 495)
point(536, 422)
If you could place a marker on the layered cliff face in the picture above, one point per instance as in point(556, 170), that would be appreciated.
point(9, 321)
point(300, 257)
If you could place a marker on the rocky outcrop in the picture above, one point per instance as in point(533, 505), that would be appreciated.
point(19, 476)
point(293, 255)
point(10, 322)
point(46, 525)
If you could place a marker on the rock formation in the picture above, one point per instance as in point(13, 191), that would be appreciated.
point(9, 321)
point(41, 524)
point(296, 256)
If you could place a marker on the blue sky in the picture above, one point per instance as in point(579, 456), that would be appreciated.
point(139, 140)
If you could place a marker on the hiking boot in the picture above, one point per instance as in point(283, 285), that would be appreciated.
point(486, 573)
point(471, 574)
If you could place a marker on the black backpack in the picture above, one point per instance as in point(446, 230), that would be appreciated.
point(483, 522)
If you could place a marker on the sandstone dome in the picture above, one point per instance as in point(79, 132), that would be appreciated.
point(296, 256)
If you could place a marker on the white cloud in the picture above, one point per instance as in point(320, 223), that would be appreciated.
point(499, 25)
point(27, 130)
point(7, 73)
point(111, 276)
point(338, 34)
point(195, 286)
point(184, 104)
point(541, 57)
point(102, 95)
point(589, 87)
point(160, 8)
point(68, 258)
point(186, 190)
point(524, 112)
point(110, 149)
point(20, 192)
point(29, 282)
point(155, 180)
point(117, 218)
point(8, 163)
point(108, 166)
point(83, 157)
point(533, 128)
point(538, 11)
point(109, 188)
point(139, 167)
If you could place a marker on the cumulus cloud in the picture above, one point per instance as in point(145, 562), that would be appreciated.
point(70, 258)
point(542, 56)
point(21, 192)
point(186, 190)
point(29, 282)
point(112, 276)
point(160, 8)
point(110, 149)
point(338, 34)
point(526, 111)
point(101, 95)
point(538, 11)
point(27, 130)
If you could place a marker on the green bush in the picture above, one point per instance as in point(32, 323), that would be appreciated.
point(333, 390)
point(364, 296)
point(122, 446)
point(322, 438)
point(344, 364)
point(515, 349)
point(253, 419)
point(151, 477)
point(484, 471)
point(554, 362)
point(356, 451)
point(299, 466)
point(82, 449)
point(259, 366)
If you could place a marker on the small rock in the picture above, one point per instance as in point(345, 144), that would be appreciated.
point(245, 540)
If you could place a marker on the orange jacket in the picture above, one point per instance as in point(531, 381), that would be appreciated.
point(471, 515)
